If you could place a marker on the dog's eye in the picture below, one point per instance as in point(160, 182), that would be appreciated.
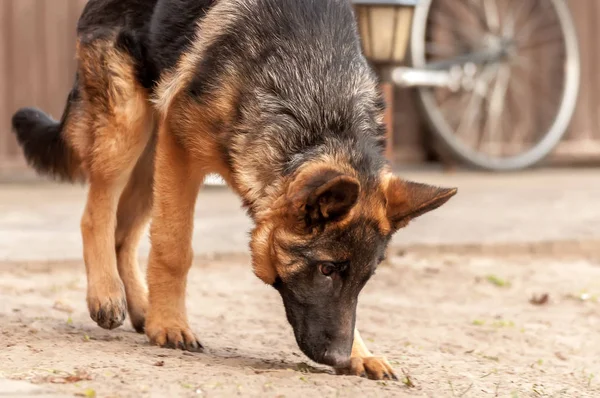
point(327, 269)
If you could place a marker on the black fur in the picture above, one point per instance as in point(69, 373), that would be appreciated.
point(136, 45)
point(43, 141)
point(294, 54)
point(100, 16)
point(306, 89)
point(154, 32)
point(173, 28)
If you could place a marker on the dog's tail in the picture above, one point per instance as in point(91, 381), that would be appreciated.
point(44, 143)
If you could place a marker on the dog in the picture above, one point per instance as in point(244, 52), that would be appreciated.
point(273, 95)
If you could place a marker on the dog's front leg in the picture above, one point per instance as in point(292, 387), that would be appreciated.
point(176, 185)
point(364, 364)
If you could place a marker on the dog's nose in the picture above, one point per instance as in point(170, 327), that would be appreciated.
point(335, 357)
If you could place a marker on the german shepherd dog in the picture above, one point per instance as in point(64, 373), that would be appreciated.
point(277, 98)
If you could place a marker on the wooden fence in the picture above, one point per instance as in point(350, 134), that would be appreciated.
point(37, 47)
point(37, 39)
point(583, 138)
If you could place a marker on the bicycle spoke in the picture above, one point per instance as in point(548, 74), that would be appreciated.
point(516, 92)
point(523, 62)
point(532, 80)
point(479, 95)
point(544, 94)
point(459, 31)
point(454, 108)
point(510, 19)
point(513, 118)
point(544, 42)
point(532, 25)
point(448, 95)
point(528, 12)
point(440, 49)
point(476, 10)
point(497, 102)
point(469, 115)
point(492, 15)
point(514, 14)
point(522, 91)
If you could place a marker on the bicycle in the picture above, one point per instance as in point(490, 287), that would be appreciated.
point(497, 80)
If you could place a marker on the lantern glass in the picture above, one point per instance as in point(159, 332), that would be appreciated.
point(384, 31)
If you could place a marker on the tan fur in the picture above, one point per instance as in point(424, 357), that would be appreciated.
point(133, 215)
point(109, 133)
point(263, 257)
point(106, 294)
point(192, 127)
point(363, 363)
point(176, 185)
point(359, 348)
point(115, 126)
point(218, 20)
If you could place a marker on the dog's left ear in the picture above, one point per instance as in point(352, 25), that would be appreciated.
point(320, 196)
point(408, 200)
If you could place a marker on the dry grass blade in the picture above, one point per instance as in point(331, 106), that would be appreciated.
point(59, 377)
point(560, 356)
point(466, 391)
point(497, 281)
point(540, 300)
point(407, 380)
point(62, 307)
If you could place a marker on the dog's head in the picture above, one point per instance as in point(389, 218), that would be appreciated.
point(322, 241)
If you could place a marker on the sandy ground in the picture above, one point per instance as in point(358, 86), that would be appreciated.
point(454, 325)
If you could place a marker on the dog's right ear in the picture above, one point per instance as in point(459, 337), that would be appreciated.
point(320, 195)
point(407, 200)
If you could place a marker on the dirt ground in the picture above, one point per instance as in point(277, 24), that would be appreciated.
point(451, 325)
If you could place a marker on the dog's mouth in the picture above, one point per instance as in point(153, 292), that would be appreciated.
point(335, 359)
point(333, 355)
point(321, 346)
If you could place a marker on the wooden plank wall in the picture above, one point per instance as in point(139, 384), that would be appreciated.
point(37, 47)
point(583, 139)
point(37, 40)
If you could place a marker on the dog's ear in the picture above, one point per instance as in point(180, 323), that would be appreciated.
point(321, 195)
point(408, 200)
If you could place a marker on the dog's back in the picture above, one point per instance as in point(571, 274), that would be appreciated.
point(278, 82)
point(107, 15)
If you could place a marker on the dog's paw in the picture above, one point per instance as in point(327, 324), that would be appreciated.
point(172, 334)
point(138, 319)
point(138, 308)
point(107, 305)
point(375, 368)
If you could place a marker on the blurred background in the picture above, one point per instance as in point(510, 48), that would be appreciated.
point(37, 66)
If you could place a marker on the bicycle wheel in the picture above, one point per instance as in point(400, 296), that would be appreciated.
point(508, 113)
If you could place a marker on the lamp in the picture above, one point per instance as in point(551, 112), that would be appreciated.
point(384, 27)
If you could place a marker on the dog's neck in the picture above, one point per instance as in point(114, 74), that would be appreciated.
point(338, 119)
